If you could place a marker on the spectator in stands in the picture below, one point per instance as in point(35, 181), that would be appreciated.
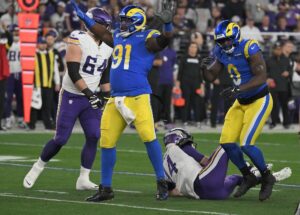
point(166, 82)
point(14, 82)
point(46, 77)
point(296, 86)
point(196, 37)
point(280, 68)
point(256, 9)
point(10, 17)
point(5, 41)
point(234, 7)
point(297, 30)
point(57, 19)
point(250, 31)
point(72, 21)
point(216, 17)
point(190, 81)
point(282, 27)
point(218, 103)
point(266, 26)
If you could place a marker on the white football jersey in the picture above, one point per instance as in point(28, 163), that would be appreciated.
point(13, 56)
point(94, 60)
point(181, 169)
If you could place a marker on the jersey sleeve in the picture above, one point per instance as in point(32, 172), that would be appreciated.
point(251, 48)
point(152, 34)
point(216, 52)
point(74, 38)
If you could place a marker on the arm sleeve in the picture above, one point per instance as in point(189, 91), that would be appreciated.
point(106, 74)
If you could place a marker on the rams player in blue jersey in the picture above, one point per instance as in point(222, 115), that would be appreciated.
point(245, 119)
point(133, 55)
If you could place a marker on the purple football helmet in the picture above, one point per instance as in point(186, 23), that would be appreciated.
point(100, 16)
point(178, 136)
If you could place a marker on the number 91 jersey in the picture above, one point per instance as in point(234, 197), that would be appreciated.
point(131, 62)
point(94, 61)
point(237, 65)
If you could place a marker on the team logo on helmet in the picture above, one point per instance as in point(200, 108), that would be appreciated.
point(100, 16)
point(133, 19)
point(227, 35)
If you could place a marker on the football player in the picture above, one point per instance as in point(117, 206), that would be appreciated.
point(245, 119)
point(132, 58)
point(87, 58)
point(192, 174)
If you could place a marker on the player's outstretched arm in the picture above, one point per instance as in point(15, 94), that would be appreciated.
point(156, 44)
point(210, 68)
point(98, 30)
point(258, 68)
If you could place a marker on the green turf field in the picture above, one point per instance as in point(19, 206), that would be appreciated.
point(134, 183)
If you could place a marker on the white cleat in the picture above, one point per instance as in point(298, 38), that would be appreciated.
point(283, 174)
point(32, 175)
point(85, 184)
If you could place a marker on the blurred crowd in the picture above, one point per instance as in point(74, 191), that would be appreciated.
point(179, 91)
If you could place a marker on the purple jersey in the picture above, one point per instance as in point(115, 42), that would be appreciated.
point(167, 68)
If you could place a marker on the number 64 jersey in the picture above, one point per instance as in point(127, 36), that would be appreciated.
point(93, 62)
point(181, 169)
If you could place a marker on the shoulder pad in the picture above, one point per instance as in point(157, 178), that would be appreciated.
point(251, 48)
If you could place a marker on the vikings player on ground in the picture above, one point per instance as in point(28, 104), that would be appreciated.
point(192, 174)
point(87, 58)
point(245, 119)
point(133, 55)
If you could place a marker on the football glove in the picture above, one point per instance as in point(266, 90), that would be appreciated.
point(206, 62)
point(95, 101)
point(167, 13)
point(230, 92)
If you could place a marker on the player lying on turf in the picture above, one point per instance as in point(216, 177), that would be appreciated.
point(87, 59)
point(192, 174)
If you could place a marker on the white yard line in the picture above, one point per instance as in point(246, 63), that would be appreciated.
point(274, 190)
point(51, 191)
point(112, 204)
point(127, 191)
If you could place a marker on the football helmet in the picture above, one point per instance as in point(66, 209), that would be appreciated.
point(227, 36)
point(133, 19)
point(178, 136)
point(100, 16)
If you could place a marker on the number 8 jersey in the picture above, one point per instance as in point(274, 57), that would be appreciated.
point(94, 61)
point(131, 62)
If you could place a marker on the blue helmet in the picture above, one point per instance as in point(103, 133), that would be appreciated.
point(227, 35)
point(100, 16)
point(133, 19)
point(179, 137)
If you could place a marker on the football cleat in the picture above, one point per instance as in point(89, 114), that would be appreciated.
point(162, 190)
point(283, 174)
point(32, 176)
point(103, 194)
point(267, 182)
point(248, 182)
point(83, 183)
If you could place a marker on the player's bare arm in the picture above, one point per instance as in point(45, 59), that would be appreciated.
point(258, 68)
point(211, 70)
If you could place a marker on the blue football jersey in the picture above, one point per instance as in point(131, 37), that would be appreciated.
point(238, 66)
point(131, 62)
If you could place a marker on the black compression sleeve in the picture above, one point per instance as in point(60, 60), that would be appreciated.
point(162, 41)
point(73, 71)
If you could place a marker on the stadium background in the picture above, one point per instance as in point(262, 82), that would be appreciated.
point(274, 23)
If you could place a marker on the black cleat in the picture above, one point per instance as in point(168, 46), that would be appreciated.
point(248, 182)
point(162, 190)
point(103, 194)
point(267, 182)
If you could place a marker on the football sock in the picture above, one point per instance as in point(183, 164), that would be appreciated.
point(85, 173)
point(88, 153)
point(108, 160)
point(235, 154)
point(256, 156)
point(50, 150)
point(155, 155)
point(41, 163)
